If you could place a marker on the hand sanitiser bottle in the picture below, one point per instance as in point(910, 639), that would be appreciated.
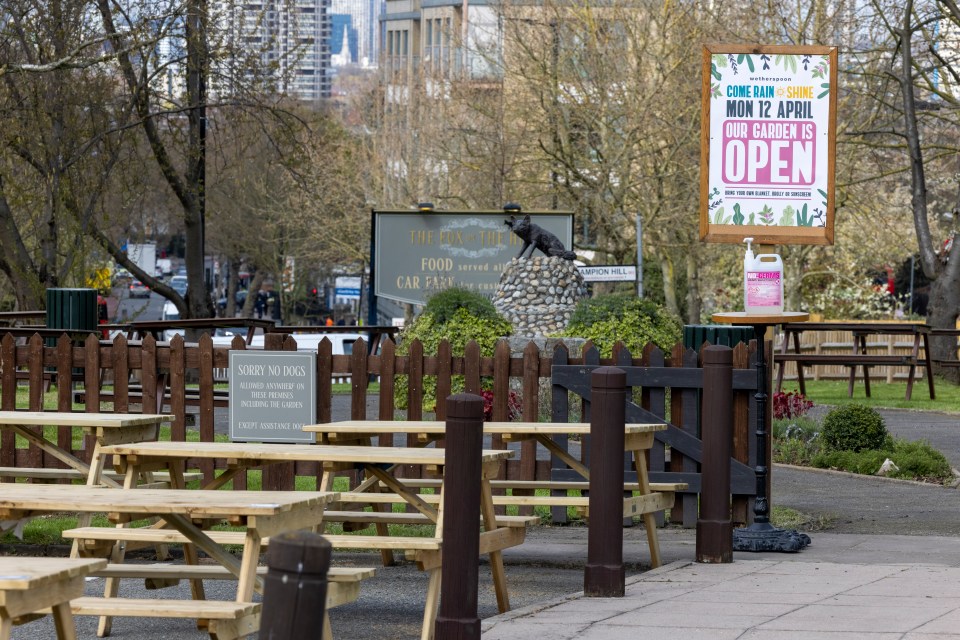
point(762, 282)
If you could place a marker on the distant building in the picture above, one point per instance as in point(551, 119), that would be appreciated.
point(289, 39)
point(344, 41)
point(364, 23)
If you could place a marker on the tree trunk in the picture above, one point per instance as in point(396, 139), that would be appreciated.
point(198, 294)
point(669, 286)
point(942, 313)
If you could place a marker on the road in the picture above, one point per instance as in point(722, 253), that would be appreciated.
point(123, 308)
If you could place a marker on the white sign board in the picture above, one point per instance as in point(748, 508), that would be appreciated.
point(272, 396)
point(609, 273)
point(768, 144)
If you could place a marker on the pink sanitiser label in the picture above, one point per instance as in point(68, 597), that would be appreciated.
point(763, 289)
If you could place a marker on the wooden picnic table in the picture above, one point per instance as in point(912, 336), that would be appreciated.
point(156, 328)
point(638, 439)
point(106, 429)
point(30, 585)
point(375, 333)
point(13, 317)
point(858, 356)
point(260, 514)
point(379, 464)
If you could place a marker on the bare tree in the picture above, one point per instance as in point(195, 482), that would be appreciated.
point(911, 68)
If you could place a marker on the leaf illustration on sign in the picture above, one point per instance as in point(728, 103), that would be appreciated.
point(787, 218)
point(737, 216)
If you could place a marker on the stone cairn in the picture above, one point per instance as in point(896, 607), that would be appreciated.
point(537, 295)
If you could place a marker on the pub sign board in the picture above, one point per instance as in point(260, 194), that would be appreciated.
point(768, 143)
point(273, 394)
point(417, 254)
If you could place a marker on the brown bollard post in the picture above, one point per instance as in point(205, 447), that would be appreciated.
point(604, 576)
point(457, 618)
point(714, 527)
point(295, 587)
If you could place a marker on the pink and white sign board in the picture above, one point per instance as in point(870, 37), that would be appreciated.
point(768, 144)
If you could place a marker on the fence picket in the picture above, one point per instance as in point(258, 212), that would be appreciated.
point(444, 359)
point(64, 354)
point(8, 399)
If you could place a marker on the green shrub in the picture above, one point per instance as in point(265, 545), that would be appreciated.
point(634, 321)
point(442, 306)
point(791, 451)
point(866, 462)
point(854, 427)
point(466, 316)
point(916, 461)
point(920, 460)
point(795, 441)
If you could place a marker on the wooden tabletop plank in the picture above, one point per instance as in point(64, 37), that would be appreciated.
point(435, 427)
point(78, 419)
point(197, 503)
point(290, 452)
point(19, 572)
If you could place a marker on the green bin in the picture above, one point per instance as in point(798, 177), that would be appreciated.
point(72, 309)
point(694, 335)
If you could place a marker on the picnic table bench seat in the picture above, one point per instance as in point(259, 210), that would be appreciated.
point(161, 479)
point(848, 359)
point(99, 540)
point(226, 620)
point(552, 485)
point(947, 362)
point(636, 505)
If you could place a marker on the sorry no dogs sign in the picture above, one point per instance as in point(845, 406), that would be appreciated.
point(768, 144)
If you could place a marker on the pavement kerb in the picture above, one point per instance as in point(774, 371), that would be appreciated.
point(488, 623)
point(847, 474)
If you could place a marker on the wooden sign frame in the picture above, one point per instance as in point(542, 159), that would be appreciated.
point(799, 213)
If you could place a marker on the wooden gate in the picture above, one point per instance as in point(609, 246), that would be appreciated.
point(678, 451)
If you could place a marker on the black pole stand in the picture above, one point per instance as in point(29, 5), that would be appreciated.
point(761, 535)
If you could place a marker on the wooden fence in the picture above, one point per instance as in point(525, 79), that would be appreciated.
point(148, 376)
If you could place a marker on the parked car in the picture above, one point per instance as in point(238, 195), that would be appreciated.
point(179, 284)
point(170, 312)
point(342, 343)
point(240, 298)
point(224, 336)
point(121, 277)
point(139, 290)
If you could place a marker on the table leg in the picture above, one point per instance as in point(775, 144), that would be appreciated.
point(190, 556)
point(853, 370)
point(431, 607)
point(246, 584)
point(496, 558)
point(112, 585)
point(928, 366)
point(6, 627)
point(94, 475)
point(866, 368)
point(649, 520)
point(796, 349)
point(63, 621)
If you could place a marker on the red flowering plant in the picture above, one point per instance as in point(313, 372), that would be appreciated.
point(514, 409)
point(790, 405)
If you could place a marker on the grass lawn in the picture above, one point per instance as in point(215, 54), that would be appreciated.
point(883, 395)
